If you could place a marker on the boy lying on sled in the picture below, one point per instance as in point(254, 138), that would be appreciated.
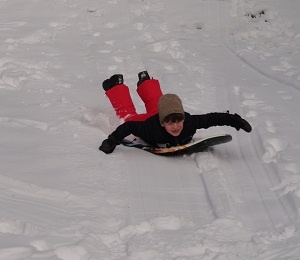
point(165, 121)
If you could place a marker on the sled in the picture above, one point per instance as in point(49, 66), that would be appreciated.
point(195, 146)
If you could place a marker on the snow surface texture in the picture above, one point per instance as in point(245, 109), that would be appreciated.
point(61, 198)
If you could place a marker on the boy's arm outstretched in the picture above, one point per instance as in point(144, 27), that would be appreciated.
point(222, 119)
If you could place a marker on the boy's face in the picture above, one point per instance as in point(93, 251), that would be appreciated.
point(173, 128)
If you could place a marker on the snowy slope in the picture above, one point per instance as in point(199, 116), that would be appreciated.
point(61, 198)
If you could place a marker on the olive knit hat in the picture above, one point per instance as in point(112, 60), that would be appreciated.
point(169, 104)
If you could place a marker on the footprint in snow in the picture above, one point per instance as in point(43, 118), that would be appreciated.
point(40, 245)
point(170, 47)
point(270, 126)
point(10, 82)
point(283, 66)
point(273, 148)
point(251, 113)
point(73, 252)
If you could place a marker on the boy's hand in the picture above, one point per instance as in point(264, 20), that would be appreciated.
point(240, 123)
point(108, 145)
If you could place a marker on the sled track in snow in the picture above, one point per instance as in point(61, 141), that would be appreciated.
point(285, 81)
point(164, 187)
point(267, 208)
point(41, 201)
point(229, 180)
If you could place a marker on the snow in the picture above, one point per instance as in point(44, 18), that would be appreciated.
point(61, 198)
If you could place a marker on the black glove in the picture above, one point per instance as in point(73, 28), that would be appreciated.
point(108, 145)
point(240, 123)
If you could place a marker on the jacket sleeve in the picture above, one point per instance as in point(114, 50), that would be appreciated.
point(212, 119)
point(127, 128)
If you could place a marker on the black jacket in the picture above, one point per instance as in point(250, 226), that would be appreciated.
point(153, 133)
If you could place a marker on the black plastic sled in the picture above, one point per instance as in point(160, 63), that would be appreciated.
point(190, 148)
